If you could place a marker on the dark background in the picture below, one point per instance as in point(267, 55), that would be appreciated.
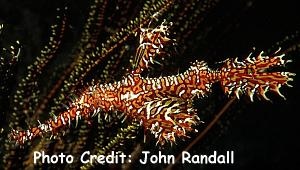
point(264, 135)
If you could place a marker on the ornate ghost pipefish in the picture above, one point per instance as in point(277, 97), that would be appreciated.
point(163, 105)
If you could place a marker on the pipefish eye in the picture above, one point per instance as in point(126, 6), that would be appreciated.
point(250, 70)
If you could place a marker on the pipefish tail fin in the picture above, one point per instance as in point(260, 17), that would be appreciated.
point(255, 75)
